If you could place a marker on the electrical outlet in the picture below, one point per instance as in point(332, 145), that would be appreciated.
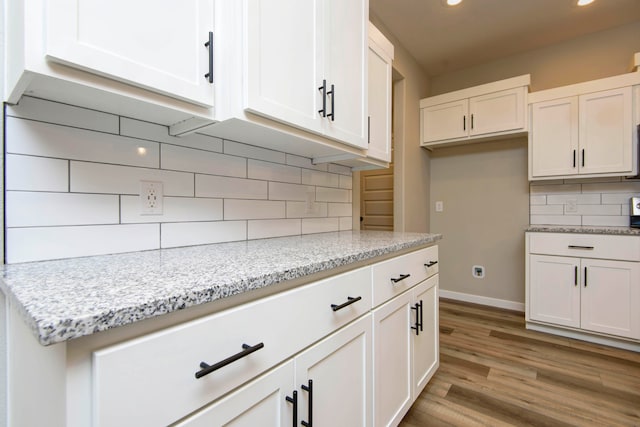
point(477, 271)
point(439, 206)
point(310, 202)
point(151, 197)
point(571, 206)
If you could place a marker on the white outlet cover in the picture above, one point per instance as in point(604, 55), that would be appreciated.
point(151, 194)
point(477, 271)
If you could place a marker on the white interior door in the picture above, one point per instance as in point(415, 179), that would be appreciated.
point(157, 45)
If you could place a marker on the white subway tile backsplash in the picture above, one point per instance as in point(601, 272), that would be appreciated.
point(63, 114)
point(324, 179)
point(615, 187)
point(546, 209)
point(45, 243)
point(73, 178)
point(340, 209)
point(339, 169)
point(538, 200)
point(49, 140)
point(554, 188)
point(253, 209)
point(202, 233)
point(159, 133)
point(36, 209)
point(230, 188)
point(252, 152)
point(200, 161)
point(174, 209)
point(36, 173)
point(597, 210)
point(273, 172)
point(320, 225)
point(100, 178)
point(346, 223)
point(615, 221)
point(581, 199)
point(556, 220)
point(618, 198)
point(294, 192)
point(265, 228)
point(333, 195)
point(303, 210)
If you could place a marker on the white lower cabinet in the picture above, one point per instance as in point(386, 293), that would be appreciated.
point(406, 350)
point(326, 385)
point(596, 290)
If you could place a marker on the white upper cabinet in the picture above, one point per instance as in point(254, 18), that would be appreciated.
point(380, 98)
point(482, 112)
point(165, 55)
point(312, 71)
point(591, 134)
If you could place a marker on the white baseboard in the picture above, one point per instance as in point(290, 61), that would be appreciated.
point(626, 345)
point(477, 299)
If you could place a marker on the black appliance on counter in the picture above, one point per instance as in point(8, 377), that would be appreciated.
point(634, 211)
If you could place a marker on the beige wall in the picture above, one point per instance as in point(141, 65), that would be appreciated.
point(411, 181)
point(484, 186)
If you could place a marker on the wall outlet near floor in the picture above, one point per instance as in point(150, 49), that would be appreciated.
point(151, 197)
point(477, 271)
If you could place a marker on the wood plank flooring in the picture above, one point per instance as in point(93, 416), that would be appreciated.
point(494, 372)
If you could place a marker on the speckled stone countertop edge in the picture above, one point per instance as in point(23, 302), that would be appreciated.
point(51, 329)
point(585, 229)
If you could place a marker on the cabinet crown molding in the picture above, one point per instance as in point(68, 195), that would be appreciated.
point(523, 80)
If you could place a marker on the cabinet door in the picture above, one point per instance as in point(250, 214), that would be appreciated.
point(445, 121)
point(156, 45)
point(345, 67)
point(392, 365)
point(554, 138)
point(379, 94)
point(283, 61)
point(501, 111)
point(262, 402)
point(425, 344)
point(340, 370)
point(610, 295)
point(554, 290)
point(606, 131)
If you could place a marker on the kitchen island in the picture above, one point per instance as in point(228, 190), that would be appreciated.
point(139, 301)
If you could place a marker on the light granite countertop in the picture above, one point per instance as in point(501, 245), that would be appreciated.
point(65, 299)
point(585, 229)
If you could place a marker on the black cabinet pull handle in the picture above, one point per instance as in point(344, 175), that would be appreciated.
point(583, 157)
point(588, 248)
point(431, 263)
point(585, 277)
point(323, 89)
point(464, 122)
point(472, 121)
point(575, 276)
point(421, 316)
point(332, 92)
point(402, 277)
point(309, 389)
point(209, 44)
point(418, 325)
point(294, 401)
point(247, 350)
point(350, 300)
point(574, 158)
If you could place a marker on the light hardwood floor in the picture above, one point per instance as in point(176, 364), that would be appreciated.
point(494, 372)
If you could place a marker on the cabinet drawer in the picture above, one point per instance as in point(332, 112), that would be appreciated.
point(396, 275)
point(625, 248)
point(151, 380)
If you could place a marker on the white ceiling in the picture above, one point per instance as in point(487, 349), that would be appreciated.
point(444, 38)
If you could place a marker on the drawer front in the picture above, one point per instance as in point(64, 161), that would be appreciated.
point(390, 278)
point(624, 248)
point(151, 380)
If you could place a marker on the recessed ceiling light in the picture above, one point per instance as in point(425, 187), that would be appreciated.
point(584, 2)
point(455, 2)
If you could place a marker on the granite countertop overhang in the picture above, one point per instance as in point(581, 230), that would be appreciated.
point(66, 299)
point(585, 229)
